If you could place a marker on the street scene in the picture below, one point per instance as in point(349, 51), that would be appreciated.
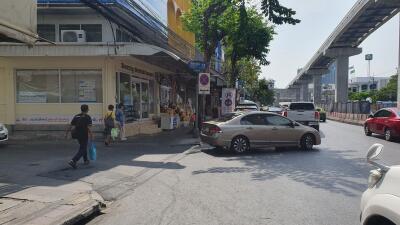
point(271, 112)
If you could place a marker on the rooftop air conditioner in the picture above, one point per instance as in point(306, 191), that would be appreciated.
point(77, 36)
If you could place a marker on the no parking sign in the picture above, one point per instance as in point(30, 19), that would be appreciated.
point(204, 83)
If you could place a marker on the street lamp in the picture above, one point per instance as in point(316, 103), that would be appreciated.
point(369, 58)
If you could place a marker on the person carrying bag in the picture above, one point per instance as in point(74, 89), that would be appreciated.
point(109, 124)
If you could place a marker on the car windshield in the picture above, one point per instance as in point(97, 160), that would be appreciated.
point(228, 117)
point(301, 106)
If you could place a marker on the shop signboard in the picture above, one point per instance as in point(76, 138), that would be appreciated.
point(228, 100)
point(204, 83)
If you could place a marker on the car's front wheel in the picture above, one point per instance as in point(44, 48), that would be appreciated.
point(367, 131)
point(307, 142)
point(240, 144)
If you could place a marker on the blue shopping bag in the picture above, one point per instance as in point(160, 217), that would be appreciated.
point(92, 151)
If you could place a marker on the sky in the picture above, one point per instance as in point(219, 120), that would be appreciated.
point(293, 46)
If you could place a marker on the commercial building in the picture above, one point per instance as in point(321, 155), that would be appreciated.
point(99, 53)
point(364, 84)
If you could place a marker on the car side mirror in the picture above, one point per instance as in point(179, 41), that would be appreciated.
point(371, 116)
point(293, 124)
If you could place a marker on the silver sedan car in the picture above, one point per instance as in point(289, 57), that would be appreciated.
point(239, 131)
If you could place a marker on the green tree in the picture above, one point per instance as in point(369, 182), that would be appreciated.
point(209, 20)
point(262, 93)
point(277, 13)
point(248, 38)
point(389, 93)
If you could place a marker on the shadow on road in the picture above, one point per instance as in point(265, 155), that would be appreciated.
point(328, 169)
point(24, 165)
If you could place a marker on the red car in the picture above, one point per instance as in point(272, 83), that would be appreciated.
point(385, 121)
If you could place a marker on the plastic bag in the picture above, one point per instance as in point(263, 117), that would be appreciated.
point(114, 133)
point(92, 152)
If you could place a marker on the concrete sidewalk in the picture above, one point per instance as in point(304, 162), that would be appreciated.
point(38, 187)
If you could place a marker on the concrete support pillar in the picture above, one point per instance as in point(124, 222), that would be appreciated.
point(317, 89)
point(342, 79)
point(297, 94)
point(304, 92)
point(342, 74)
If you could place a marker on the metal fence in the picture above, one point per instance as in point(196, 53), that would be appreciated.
point(357, 107)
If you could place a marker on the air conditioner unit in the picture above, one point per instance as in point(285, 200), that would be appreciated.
point(77, 36)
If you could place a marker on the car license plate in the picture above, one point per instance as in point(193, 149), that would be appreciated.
point(2, 135)
point(312, 123)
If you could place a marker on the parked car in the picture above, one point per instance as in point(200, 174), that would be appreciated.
point(380, 203)
point(246, 108)
point(322, 114)
point(304, 113)
point(247, 105)
point(3, 134)
point(276, 110)
point(385, 121)
point(241, 131)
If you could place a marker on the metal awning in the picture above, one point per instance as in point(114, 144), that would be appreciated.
point(145, 52)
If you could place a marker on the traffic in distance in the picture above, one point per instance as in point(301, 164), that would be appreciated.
point(297, 125)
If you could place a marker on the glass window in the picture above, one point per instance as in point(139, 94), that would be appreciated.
point(364, 87)
point(136, 100)
point(379, 114)
point(145, 100)
point(277, 120)
point(151, 97)
point(386, 113)
point(254, 119)
point(93, 32)
point(81, 86)
point(47, 31)
point(301, 106)
point(37, 86)
point(228, 117)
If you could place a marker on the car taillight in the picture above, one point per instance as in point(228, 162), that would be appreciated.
point(284, 113)
point(317, 115)
point(214, 130)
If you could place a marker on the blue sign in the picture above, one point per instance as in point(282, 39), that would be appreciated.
point(197, 66)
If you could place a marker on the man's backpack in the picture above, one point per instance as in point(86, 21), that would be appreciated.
point(74, 130)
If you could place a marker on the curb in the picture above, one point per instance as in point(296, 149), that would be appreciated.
point(346, 121)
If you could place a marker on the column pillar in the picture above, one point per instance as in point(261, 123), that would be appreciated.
point(317, 89)
point(342, 74)
point(304, 92)
point(342, 79)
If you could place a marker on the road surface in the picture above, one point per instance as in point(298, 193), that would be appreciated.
point(320, 187)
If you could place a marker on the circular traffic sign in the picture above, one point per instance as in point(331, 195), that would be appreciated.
point(204, 79)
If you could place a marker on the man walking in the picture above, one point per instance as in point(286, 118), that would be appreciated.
point(80, 130)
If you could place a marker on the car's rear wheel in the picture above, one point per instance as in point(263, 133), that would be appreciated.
point(240, 144)
point(388, 135)
point(307, 142)
point(367, 131)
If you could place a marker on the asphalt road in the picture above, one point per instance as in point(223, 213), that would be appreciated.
point(291, 187)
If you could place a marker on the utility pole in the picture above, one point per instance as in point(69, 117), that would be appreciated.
point(398, 73)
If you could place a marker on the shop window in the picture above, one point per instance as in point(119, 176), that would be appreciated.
point(59, 86)
point(47, 31)
point(151, 97)
point(136, 95)
point(81, 86)
point(37, 86)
